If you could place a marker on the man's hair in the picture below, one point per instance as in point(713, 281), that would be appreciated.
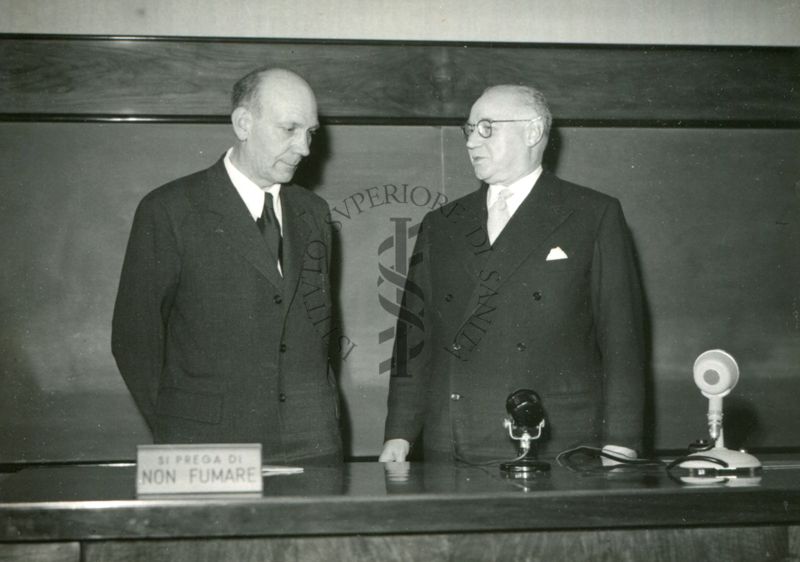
point(245, 91)
point(530, 97)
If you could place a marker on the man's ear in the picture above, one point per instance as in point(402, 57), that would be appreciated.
point(535, 132)
point(242, 120)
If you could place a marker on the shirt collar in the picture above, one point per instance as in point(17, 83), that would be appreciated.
point(251, 193)
point(519, 191)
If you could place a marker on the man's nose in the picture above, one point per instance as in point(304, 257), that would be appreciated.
point(474, 139)
point(303, 144)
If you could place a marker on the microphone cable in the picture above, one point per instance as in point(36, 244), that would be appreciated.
point(463, 460)
point(564, 460)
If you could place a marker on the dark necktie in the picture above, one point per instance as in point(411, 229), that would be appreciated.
point(271, 229)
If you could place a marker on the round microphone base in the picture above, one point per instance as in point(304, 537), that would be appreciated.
point(524, 468)
point(734, 465)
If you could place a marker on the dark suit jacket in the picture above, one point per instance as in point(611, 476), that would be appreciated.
point(213, 344)
point(483, 321)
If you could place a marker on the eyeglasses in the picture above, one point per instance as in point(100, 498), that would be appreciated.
point(484, 126)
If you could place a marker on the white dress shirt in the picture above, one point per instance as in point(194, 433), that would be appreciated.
point(251, 193)
point(519, 191)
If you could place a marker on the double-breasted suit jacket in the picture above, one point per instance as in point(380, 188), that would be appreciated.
point(555, 305)
point(214, 345)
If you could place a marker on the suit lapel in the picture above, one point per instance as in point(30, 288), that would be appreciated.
point(538, 216)
point(234, 222)
point(296, 232)
point(469, 237)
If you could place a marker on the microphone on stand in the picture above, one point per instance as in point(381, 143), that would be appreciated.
point(715, 374)
point(525, 422)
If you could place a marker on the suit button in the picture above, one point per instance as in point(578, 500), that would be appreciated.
point(448, 297)
point(537, 296)
point(282, 397)
point(282, 348)
point(455, 397)
point(521, 346)
point(456, 346)
point(277, 299)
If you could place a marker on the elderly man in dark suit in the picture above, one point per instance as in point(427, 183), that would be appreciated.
point(223, 313)
point(528, 282)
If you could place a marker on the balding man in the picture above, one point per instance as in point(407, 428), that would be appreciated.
point(223, 313)
point(528, 282)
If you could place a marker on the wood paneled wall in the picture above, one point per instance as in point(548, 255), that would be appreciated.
point(700, 145)
point(183, 78)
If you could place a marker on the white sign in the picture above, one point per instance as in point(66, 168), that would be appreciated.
point(198, 469)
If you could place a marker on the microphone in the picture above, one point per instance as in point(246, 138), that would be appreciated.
point(525, 410)
point(525, 422)
point(716, 374)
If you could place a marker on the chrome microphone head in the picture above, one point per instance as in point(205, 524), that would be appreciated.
point(525, 409)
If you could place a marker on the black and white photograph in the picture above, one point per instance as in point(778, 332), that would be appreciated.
point(413, 280)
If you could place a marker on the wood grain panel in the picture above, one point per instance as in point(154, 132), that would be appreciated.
point(639, 82)
point(80, 77)
point(744, 544)
point(53, 552)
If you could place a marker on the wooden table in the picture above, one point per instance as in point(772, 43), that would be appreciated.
point(425, 511)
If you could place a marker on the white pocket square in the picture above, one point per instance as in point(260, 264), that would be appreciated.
point(556, 254)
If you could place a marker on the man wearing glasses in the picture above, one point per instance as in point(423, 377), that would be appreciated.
point(528, 282)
